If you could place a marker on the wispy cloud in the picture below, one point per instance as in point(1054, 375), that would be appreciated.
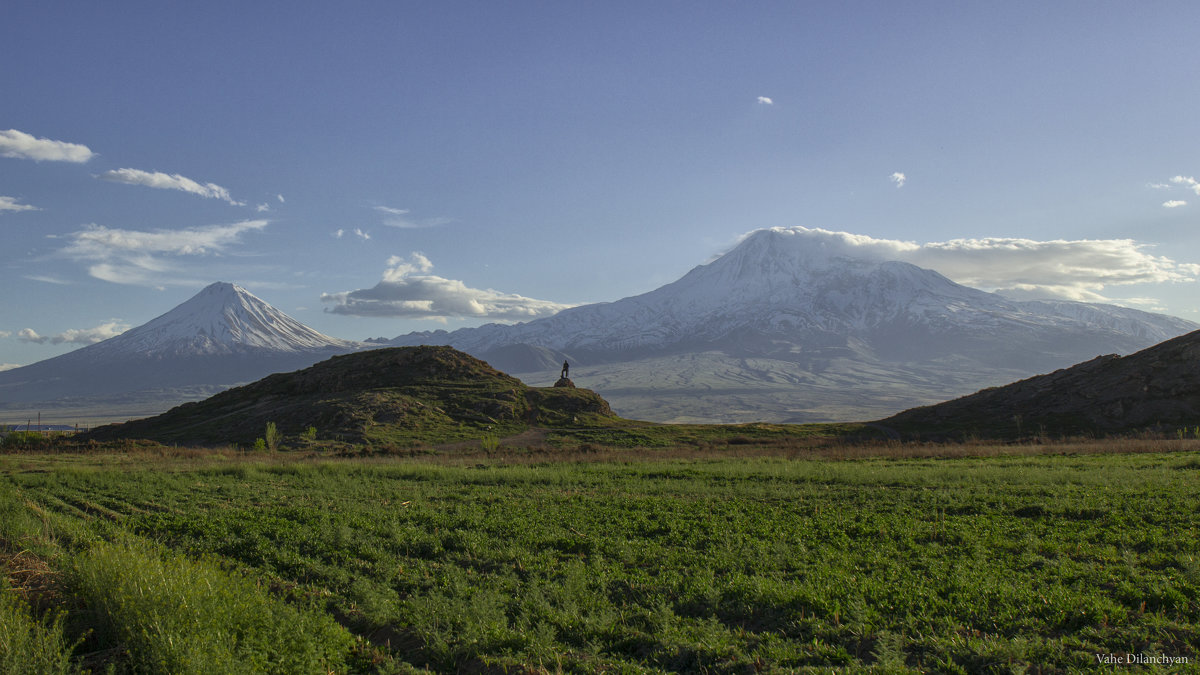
point(150, 258)
point(1070, 269)
point(5, 333)
point(21, 145)
point(280, 198)
point(9, 366)
point(399, 218)
point(408, 290)
point(79, 336)
point(358, 232)
point(765, 100)
point(1174, 203)
point(172, 181)
point(262, 208)
point(899, 179)
point(47, 279)
point(10, 204)
point(1188, 182)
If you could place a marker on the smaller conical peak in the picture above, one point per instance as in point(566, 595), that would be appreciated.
point(224, 316)
point(223, 288)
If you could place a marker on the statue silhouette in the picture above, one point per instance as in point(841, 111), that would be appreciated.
point(566, 367)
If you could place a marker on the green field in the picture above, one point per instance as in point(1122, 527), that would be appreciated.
point(1019, 561)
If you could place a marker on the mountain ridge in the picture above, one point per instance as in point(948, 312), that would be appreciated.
point(811, 306)
point(222, 336)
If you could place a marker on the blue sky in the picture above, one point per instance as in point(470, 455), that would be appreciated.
point(508, 159)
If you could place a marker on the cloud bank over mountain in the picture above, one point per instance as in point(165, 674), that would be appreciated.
point(1021, 268)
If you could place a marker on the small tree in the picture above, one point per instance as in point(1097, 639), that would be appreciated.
point(271, 437)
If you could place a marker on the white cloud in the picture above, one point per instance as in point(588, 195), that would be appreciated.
point(164, 181)
point(1188, 182)
point(899, 179)
point(150, 258)
point(398, 218)
point(262, 208)
point(46, 279)
point(5, 333)
point(9, 366)
point(1160, 186)
point(764, 100)
point(10, 204)
point(338, 233)
point(21, 145)
point(360, 234)
point(1069, 269)
point(1174, 203)
point(79, 336)
point(408, 290)
point(280, 198)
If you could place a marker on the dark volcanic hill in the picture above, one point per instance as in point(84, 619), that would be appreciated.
point(398, 395)
point(1159, 386)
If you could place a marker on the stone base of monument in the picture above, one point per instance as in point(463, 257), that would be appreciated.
point(564, 382)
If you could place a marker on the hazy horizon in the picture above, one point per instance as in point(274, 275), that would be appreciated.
point(475, 163)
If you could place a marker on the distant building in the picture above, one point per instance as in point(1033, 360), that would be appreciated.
point(37, 427)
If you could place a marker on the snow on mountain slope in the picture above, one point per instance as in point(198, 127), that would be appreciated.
point(223, 318)
point(783, 287)
point(222, 336)
point(876, 335)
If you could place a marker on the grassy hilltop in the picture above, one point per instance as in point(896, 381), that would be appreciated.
point(399, 395)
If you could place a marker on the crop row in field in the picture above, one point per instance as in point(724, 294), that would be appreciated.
point(751, 565)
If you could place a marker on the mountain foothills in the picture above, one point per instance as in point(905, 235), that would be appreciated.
point(791, 328)
point(378, 397)
point(1156, 387)
point(783, 328)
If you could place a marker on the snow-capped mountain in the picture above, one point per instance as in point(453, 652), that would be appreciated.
point(223, 318)
point(222, 336)
point(803, 306)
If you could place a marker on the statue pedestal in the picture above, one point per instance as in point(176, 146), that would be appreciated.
point(564, 382)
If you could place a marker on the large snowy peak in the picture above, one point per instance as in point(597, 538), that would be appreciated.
point(805, 325)
point(784, 286)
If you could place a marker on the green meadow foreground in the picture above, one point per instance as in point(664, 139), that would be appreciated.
point(951, 559)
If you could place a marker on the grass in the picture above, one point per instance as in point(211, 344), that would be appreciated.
point(28, 645)
point(732, 559)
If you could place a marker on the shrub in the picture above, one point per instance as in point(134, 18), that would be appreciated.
point(28, 645)
point(271, 437)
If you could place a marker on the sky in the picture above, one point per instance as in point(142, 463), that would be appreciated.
point(375, 168)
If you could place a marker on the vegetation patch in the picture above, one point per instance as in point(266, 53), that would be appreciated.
point(969, 564)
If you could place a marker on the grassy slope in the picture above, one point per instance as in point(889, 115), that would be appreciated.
point(966, 565)
point(406, 395)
